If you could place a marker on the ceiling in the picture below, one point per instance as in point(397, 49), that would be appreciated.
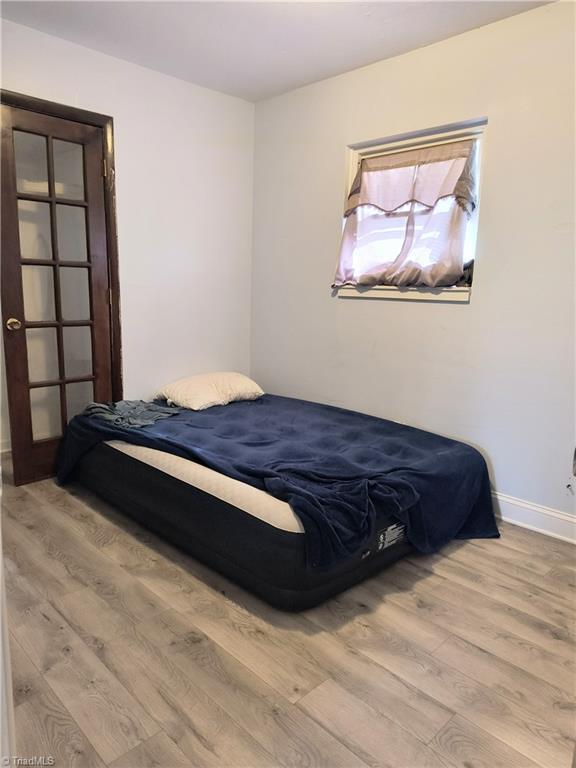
point(255, 50)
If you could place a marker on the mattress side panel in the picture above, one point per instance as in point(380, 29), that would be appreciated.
point(260, 557)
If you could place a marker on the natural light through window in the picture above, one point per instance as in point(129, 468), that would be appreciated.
point(411, 216)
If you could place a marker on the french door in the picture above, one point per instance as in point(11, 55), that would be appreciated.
point(56, 307)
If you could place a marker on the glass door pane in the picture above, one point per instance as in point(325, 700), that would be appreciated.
point(78, 395)
point(35, 230)
point(38, 289)
point(71, 226)
point(45, 412)
point(74, 293)
point(42, 350)
point(31, 163)
point(77, 351)
point(68, 170)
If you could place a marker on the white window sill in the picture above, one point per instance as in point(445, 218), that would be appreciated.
point(454, 294)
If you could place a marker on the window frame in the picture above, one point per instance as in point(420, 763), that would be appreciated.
point(444, 134)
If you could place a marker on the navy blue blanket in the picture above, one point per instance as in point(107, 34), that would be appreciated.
point(336, 468)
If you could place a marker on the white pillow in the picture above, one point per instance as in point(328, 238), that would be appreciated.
point(208, 389)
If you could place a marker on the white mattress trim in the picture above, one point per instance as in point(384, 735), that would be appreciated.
point(247, 498)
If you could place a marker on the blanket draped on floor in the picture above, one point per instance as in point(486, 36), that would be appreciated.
point(337, 469)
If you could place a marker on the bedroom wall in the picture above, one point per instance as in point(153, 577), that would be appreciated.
point(184, 163)
point(498, 373)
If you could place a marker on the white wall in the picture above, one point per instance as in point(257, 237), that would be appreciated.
point(184, 160)
point(498, 373)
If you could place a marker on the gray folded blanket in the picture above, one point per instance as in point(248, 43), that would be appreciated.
point(130, 413)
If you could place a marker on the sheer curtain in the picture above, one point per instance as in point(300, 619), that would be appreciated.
point(406, 217)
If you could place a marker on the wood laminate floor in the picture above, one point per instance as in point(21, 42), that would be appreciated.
point(127, 653)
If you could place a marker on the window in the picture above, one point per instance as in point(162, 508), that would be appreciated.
point(411, 214)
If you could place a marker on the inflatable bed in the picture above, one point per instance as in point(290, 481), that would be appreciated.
point(295, 501)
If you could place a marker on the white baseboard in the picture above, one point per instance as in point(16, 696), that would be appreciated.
point(526, 514)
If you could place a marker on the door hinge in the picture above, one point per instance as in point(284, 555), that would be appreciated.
point(104, 168)
point(110, 297)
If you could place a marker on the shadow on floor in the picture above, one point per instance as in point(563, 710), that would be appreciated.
point(360, 600)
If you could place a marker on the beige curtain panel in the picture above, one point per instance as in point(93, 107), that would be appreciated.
point(406, 216)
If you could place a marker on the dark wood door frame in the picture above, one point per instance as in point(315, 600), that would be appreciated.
point(105, 122)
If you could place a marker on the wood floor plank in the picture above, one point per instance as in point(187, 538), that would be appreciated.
point(114, 534)
point(505, 720)
point(466, 746)
point(49, 577)
point(283, 730)
point(92, 618)
point(386, 693)
point(494, 557)
point(125, 542)
point(201, 729)
point(158, 752)
point(461, 620)
point(510, 560)
point(44, 727)
point(24, 597)
point(110, 717)
point(12, 494)
point(26, 679)
point(83, 562)
point(555, 639)
point(46, 638)
point(358, 614)
point(121, 538)
point(473, 573)
point(563, 578)
point(543, 700)
point(172, 583)
point(538, 545)
point(429, 597)
point(374, 738)
point(263, 651)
